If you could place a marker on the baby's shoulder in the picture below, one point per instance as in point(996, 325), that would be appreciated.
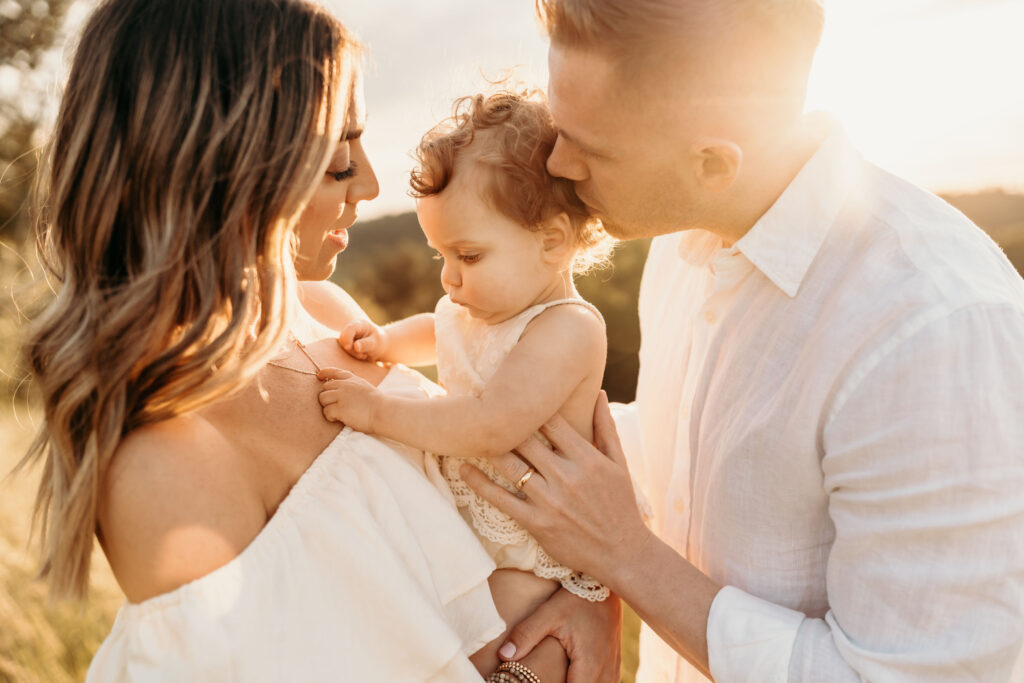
point(174, 506)
point(572, 325)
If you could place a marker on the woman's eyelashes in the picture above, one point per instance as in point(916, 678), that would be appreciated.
point(342, 175)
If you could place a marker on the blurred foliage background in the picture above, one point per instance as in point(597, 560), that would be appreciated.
point(388, 268)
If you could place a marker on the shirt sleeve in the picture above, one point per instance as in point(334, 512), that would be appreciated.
point(924, 468)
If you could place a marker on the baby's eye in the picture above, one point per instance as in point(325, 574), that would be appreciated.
point(437, 256)
point(469, 258)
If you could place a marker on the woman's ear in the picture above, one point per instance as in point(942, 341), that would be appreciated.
point(718, 163)
point(557, 240)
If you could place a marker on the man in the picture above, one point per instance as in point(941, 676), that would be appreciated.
point(829, 422)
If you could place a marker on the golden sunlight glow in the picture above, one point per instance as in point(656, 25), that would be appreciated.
point(929, 89)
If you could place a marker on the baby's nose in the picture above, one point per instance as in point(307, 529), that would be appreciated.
point(450, 276)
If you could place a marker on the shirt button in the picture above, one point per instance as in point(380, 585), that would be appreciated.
point(679, 506)
point(710, 317)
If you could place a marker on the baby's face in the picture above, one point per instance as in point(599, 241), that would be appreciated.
point(493, 266)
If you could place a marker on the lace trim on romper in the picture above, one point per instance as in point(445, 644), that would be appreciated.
point(468, 354)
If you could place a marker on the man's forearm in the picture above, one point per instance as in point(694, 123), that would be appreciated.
point(671, 595)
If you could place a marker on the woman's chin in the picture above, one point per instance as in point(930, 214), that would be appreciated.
point(316, 271)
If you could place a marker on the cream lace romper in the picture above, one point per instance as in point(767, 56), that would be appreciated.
point(469, 352)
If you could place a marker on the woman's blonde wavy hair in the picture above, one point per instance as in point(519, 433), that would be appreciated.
point(190, 136)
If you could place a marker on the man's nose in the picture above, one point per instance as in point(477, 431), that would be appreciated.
point(563, 163)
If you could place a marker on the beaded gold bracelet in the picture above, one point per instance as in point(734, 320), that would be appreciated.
point(521, 673)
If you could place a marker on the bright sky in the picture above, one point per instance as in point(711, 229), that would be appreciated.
point(929, 89)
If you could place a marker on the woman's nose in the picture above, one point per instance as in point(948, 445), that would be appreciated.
point(364, 185)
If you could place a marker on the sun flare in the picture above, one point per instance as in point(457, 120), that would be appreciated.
point(928, 89)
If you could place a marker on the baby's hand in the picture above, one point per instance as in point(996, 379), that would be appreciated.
point(348, 399)
point(363, 340)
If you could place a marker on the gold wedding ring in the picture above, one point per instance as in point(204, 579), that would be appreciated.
point(525, 478)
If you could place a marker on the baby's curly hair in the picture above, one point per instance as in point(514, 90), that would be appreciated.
point(516, 136)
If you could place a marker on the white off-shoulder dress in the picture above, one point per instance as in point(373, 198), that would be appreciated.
point(366, 572)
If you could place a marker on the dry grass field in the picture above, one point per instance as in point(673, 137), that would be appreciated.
point(40, 641)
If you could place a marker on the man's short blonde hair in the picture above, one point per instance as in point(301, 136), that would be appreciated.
point(624, 23)
point(783, 32)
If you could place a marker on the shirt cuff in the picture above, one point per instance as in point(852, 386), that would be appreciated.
point(750, 639)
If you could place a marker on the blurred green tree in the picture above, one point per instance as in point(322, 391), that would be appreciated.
point(29, 32)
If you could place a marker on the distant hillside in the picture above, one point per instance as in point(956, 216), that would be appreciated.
point(390, 270)
point(997, 211)
point(1001, 215)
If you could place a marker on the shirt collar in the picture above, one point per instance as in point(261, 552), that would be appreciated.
point(786, 239)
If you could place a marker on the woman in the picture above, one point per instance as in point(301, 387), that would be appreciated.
point(207, 156)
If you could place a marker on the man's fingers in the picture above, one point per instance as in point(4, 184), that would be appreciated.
point(510, 466)
point(606, 437)
point(547, 462)
point(528, 633)
point(508, 503)
point(566, 439)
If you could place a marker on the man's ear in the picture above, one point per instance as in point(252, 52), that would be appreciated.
point(718, 163)
point(558, 240)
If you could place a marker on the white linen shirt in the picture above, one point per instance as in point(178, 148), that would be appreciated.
point(830, 422)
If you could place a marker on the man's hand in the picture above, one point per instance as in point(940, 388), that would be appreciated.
point(348, 399)
point(580, 503)
point(590, 633)
point(581, 507)
point(364, 340)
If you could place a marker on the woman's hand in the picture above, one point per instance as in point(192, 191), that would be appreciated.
point(364, 340)
point(348, 399)
point(590, 633)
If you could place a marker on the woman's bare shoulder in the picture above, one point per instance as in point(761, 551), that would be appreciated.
point(175, 506)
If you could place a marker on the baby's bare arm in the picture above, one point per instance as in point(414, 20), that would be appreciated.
point(409, 341)
point(556, 367)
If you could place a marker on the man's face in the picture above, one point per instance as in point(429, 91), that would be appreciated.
point(626, 146)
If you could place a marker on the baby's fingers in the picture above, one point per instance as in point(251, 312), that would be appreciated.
point(365, 347)
point(351, 333)
point(326, 374)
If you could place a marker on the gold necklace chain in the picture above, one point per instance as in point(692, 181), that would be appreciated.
point(302, 348)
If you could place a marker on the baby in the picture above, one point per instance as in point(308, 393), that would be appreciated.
point(513, 341)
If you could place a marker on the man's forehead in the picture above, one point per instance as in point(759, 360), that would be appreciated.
point(583, 91)
point(579, 74)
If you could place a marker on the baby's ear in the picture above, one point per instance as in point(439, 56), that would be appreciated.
point(558, 240)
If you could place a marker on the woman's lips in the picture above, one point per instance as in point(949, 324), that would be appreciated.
point(338, 237)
